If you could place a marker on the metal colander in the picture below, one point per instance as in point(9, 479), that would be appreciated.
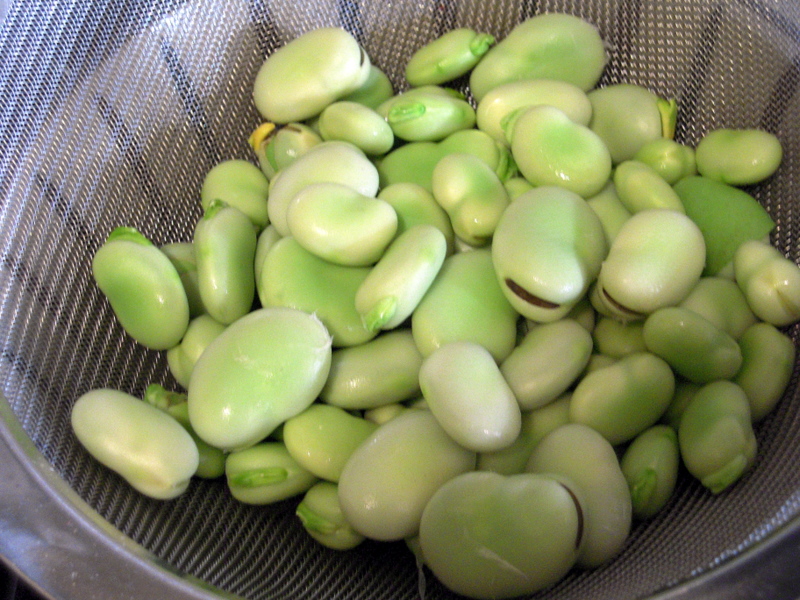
point(112, 112)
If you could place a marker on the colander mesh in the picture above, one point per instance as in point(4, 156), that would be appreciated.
point(114, 111)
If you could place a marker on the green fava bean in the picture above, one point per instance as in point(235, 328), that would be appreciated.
point(211, 462)
point(471, 194)
point(639, 187)
point(585, 457)
point(499, 104)
point(726, 215)
point(547, 46)
point(376, 90)
point(143, 444)
point(769, 281)
point(267, 367)
point(671, 160)
point(336, 223)
point(716, 437)
point(225, 247)
point(396, 284)
point(692, 345)
point(447, 57)
point(738, 156)
point(143, 287)
point(241, 185)
point(328, 162)
point(622, 400)
point(483, 146)
point(488, 536)
point(181, 254)
point(410, 163)
point(599, 361)
point(617, 338)
point(321, 515)
point(656, 259)
point(181, 359)
point(516, 186)
point(610, 210)
point(415, 205)
point(377, 373)
point(767, 364)
point(385, 413)
point(278, 147)
point(650, 465)
point(392, 475)
point(720, 300)
point(465, 303)
point(547, 361)
point(300, 79)
point(535, 424)
point(425, 115)
point(322, 438)
point(628, 116)
point(550, 149)
point(469, 397)
point(684, 392)
point(547, 249)
point(266, 240)
point(265, 473)
point(355, 123)
point(294, 277)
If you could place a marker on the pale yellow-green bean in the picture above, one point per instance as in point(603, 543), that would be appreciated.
point(650, 465)
point(265, 473)
point(321, 515)
point(769, 281)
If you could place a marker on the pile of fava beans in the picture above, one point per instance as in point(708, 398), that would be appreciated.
point(495, 332)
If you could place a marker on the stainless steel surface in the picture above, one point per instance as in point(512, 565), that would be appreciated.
point(112, 113)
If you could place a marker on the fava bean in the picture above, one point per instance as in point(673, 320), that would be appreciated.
point(692, 345)
point(265, 473)
point(767, 363)
point(684, 392)
point(610, 210)
point(622, 400)
point(266, 240)
point(447, 57)
point(769, 281)
point(720, 301)
point(546, 46)
point(322, 438)
point(584, 457)
point(628, 116)
point(263, 369)
point(471, 194)
point(240, 184)
point(516, 186)
point(547, 249)
point(639, 187)
point(550, 149)
point(300, 79)
point(671, 160)
point(321, 515)
point(143, 444)
point(535, 424)
point(415, 205)
point(355, 123)
point(425, 115)
point(655, 261)
point(181, 254)
point(181, 359)
point(465, 303)
point(328, 162)
point(336, 223)
point(225, 248)
point(392, 475)
point(375, 90)
point(278, 147)
point(469, 397)
point(497, 106)
point(618, 338)
point(650, 465)
point(738, 156)
point(716, 437)
point(294, 277)
point(547, 361)
point(379, 372)
point(143, 287)
point(489, 536)
point(396, 284)
point(383, 414)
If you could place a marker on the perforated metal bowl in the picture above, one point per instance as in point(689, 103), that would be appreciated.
point(112, 113)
